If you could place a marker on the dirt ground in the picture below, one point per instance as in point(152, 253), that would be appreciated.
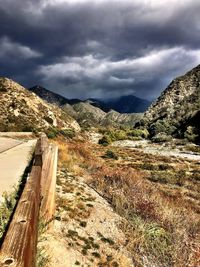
point(85, 231)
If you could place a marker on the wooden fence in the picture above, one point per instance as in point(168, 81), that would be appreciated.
point(37, 200)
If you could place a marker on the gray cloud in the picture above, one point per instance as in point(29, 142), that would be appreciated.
point(99, 48)
point(10, 49)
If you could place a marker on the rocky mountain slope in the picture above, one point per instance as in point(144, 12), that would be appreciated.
point(177, 110)
point(123, 104)
point(47, 95)
point(22, 110)
point(87, 113)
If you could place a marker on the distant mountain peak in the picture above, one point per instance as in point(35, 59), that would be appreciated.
point(128, 104)
point(48, 95)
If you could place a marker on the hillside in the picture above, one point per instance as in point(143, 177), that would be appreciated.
point(47, 95)
point(177, 110)
point(21, 110)
point(88, 113)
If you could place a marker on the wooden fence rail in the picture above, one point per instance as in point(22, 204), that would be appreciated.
point(19, 246)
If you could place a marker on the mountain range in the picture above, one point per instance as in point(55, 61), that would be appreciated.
point(93, 112)
point(176, 112)
point(122, 104)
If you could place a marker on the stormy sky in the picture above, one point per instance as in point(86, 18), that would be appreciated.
point(99, 48)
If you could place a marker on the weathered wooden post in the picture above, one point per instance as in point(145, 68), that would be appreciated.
point(48, 184)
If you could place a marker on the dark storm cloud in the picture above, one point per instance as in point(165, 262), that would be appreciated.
point(99, 48)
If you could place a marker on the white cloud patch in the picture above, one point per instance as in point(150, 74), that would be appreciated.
point(16, 50)
point(88, 71)
point(94, 68)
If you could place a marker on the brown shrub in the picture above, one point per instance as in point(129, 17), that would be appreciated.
point(160, 227)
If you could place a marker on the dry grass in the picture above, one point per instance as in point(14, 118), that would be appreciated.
point(162, 219)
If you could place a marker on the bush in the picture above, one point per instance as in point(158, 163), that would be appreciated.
point(161, 137)
point(113, 135)
point(29, 128)
point(161, 126)
point(110, 154)
point(123, 134)
point(139, 133)
point(105, 140)
point(116, 135)
point(52, 133)
point(68, 133)
point(193, 148)
point(164, 177)
point(191, 134)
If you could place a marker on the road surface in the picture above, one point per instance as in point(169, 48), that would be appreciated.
point(7, 143)
point(13, 161)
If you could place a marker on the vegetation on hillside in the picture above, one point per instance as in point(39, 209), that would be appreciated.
point(177, 111)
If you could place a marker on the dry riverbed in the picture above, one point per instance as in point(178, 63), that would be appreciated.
point(158, 149)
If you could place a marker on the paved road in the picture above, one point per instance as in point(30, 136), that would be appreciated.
point(7, 143)
point(13, 162)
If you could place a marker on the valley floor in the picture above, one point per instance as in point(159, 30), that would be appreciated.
point(118, 206)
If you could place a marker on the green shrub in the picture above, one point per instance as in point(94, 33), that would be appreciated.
point(6, 209)
point(116, 135)
point(191, 134)
point(120, 135)
point(110, 154)
point(52, 133)
point(123, 134)
point(164, 177)
point(29, 128)
point(143, 133)
point(68, 133)
point(161, 137)
point(105, 140)
point(193, 148)
point(148, 166)
point(161, 126)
